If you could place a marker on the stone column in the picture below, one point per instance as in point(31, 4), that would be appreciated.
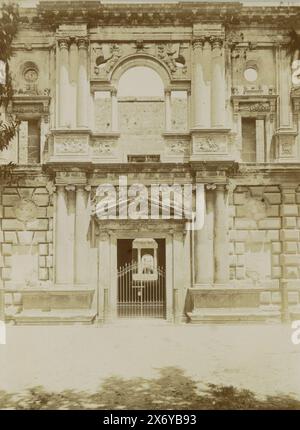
point(82, 84)
point(200, 83)
point(169, 277)
point(104, 275)
point(189, 110)
point(218, 84)
point(60, 234)
point(178, 275)
point(73, 82)
point(81, 231)
point(204, 244)
point(168, 110)
point(23, 142)
point(284, 73)
point(260, 140)
point(197, 82)
point(221, 244)
point(63, 60)
point(44, 132)
point(114, 111)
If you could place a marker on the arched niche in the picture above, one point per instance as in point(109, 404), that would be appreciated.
point(140, 61)
point(140, 81)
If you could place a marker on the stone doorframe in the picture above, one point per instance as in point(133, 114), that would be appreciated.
point(109, 233)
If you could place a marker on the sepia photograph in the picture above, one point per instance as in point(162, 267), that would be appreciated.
point(149, 208)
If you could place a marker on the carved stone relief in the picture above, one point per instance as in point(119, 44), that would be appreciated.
point(209, 144)
point(72, 145)
point(104, 56)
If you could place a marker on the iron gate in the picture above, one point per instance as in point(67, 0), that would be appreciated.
point(140, 299)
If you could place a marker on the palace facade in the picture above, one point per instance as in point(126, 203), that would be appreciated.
point(192, 93)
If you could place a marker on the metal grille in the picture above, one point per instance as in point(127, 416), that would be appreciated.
point(140, 299)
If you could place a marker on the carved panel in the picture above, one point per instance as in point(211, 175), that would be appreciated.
point(286, 146)
point(101, 147)
point(178, 147)
point(71, 145)
point(210, 144)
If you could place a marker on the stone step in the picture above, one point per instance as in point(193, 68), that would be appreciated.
point(223, 315)
point(36, 317)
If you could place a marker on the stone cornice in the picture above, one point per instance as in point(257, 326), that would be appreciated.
point(52, 13)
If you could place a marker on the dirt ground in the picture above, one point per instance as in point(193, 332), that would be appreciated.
point(146, 359)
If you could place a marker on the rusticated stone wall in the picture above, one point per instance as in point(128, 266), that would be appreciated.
point(265, 239)
point(26, 237)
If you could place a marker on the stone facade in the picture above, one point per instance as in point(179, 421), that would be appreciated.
point(222, 113)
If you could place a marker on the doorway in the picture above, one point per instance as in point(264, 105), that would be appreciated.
point(141, 296)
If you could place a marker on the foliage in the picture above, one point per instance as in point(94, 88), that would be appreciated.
point(8, 28)
point(7, 132)
point(171, 390)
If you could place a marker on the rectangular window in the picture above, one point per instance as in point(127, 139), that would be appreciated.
point(253, 140)
point(29, 142)
point(33, 142)
point(248, 140)
point(143, 158)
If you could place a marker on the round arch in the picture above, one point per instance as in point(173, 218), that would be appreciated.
point(140, 81)
point(143, 60)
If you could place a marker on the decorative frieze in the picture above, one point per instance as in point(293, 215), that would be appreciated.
point(104, 56)
point(254, 105)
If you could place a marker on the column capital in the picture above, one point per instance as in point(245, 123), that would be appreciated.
point(63, 42)
point(216, 42)
point(103, 236)
point(222, 187)
point(198, 42)
point(82, 42)
point(113, 91)
point(80, 188)
point(210, 187)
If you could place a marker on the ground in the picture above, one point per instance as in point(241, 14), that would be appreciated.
point(150, 365)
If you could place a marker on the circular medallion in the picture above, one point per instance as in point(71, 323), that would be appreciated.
point(26, 210)
point(30, 75)
point(250, 74)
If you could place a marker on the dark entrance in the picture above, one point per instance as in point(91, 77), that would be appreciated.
point(144, 298)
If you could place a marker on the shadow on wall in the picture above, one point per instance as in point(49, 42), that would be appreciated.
point(172, 390)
